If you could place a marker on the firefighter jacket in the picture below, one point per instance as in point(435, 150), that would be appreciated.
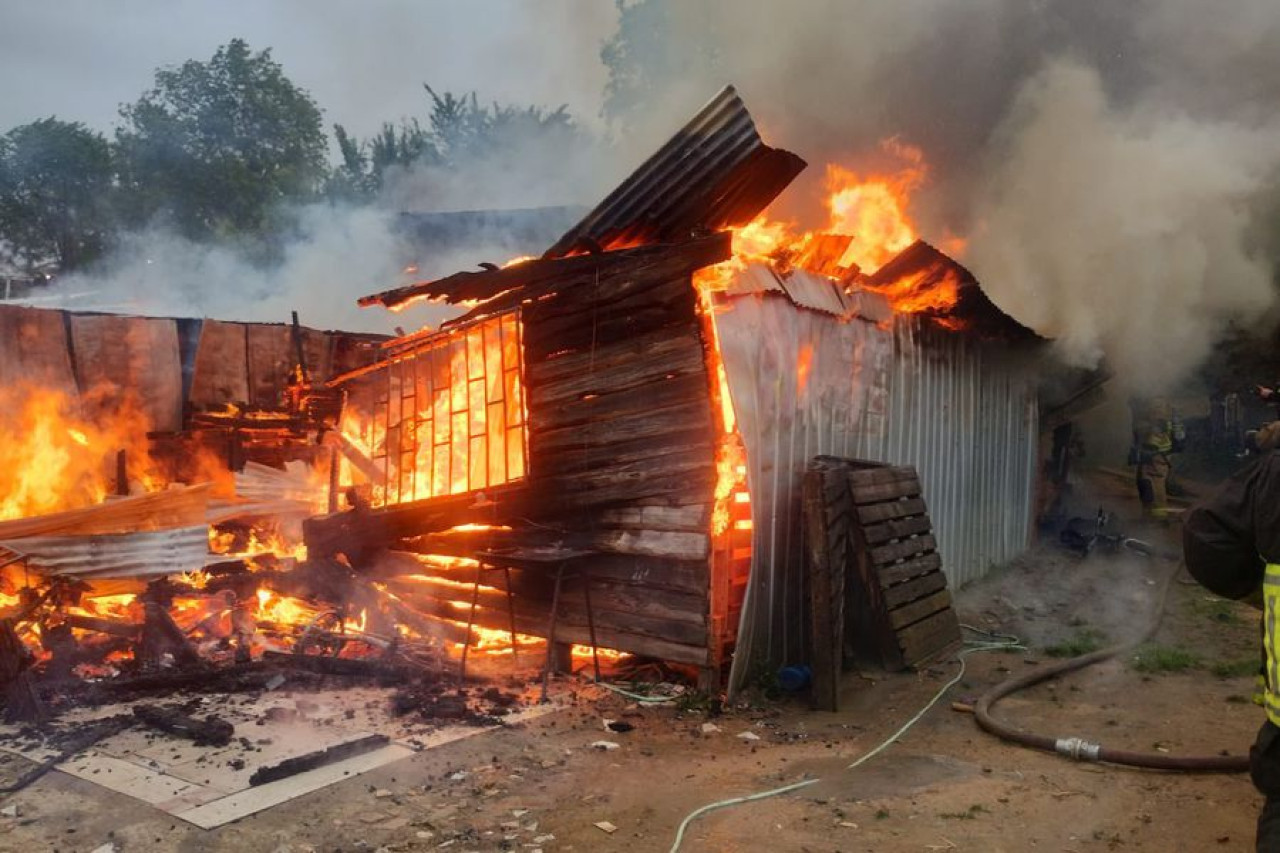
point(1231, 543)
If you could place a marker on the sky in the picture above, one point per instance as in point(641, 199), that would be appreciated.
point(363, 62)
point(1113, 166)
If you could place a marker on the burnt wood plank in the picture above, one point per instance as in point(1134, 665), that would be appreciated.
point(827, 540)
point(654, 354)
point(604, 407)
point(928, 637)
point(638, 321)
point(678, 545)
point(575, 460)
point(694, 518)
point(587, 305)
point(677, 419)
point(861, 478)
point(897, 529)
point(887, 554)
point(919, 609)
point(899, 572)
point(872, 513)
point(903, 593)
point(544, 273)
point(677, 486)
point(904, 488)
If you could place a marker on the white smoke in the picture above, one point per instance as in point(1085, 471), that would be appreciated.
point(340, 254)
point(1122, 231)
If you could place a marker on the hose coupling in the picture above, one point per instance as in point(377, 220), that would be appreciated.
point(1077, 748)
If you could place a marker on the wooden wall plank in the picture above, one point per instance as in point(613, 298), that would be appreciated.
point(221, 370)
point(137, 354)
point(271, 358)
point(33, 348)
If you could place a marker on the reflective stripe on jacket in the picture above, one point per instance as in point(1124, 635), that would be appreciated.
point(1271, 639)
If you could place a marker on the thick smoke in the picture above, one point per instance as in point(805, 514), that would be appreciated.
point(1122, 232)
point(340, 254)
point(1107, 161)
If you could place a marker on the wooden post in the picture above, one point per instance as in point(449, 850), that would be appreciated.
point(122, 472)
point(334, 487)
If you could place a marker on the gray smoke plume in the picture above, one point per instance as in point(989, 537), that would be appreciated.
point(1107, 161)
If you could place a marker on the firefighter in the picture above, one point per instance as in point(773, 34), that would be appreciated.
point(1157, 435)
point(1232, 546)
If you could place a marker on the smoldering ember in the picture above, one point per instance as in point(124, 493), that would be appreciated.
point(673, 523)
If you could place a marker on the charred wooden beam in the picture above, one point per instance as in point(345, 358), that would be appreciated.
point(319, 758)
point(114, 627)
point(542, 274)
point(211, 731)
point(161, 636)
point(350, 667)
point(358, 532)
point(22, 703)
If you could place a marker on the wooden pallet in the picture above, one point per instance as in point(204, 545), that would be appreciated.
point(897, 608)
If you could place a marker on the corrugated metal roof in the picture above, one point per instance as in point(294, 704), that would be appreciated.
point(805, 289)
point(147, 554)
point(813, 291)
point(868, 305)
point(754, 278)
point(714, 173)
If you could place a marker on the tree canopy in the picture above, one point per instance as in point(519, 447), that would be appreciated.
point(55, 182)
point(459, 131)
point(226, 149)
point(216, 147)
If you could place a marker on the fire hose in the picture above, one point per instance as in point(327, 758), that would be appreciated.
point(1072, 747)
point(1083, 750)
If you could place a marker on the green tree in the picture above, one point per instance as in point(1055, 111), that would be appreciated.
point(55, 183)
point(649, 52)
point(217, 147)
point(460, 132)
point(359, 176)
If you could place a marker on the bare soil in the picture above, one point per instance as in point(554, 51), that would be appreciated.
point(944, 785)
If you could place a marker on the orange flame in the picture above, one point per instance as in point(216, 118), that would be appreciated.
point(916, 292)
point(53, 457)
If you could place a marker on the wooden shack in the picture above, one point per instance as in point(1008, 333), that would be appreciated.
point(580, 415)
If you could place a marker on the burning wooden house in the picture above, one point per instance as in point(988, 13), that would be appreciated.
point(605, 449)
point(607, 446)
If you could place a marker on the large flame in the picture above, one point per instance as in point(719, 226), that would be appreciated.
point(871, 210)
point(54, 458)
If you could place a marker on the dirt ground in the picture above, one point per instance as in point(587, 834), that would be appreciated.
point(944, 785)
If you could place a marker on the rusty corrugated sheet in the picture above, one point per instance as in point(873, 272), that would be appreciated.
point(716, 172)
point(815, 292)
point(973, 309)
point(803, 288)
point(963, 412)
point(148, 554)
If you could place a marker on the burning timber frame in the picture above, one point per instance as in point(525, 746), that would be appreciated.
point(621, 450)
point(627, 430)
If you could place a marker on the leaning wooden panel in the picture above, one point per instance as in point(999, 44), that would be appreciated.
point(140, 354)
point(222, 366)
point(33, 348)
point(828, 527)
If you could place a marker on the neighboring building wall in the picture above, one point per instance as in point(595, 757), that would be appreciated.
point(806, 383)
point(151, 356)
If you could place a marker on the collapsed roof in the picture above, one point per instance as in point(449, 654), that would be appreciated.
point(715, 174)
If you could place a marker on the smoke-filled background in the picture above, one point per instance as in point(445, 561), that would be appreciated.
point(1112, 166)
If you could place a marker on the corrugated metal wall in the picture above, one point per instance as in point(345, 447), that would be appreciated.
point(965, 415)
point(805, 383)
